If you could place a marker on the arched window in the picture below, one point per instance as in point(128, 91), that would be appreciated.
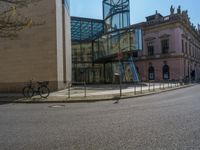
point(166, 72)
point(151, 73)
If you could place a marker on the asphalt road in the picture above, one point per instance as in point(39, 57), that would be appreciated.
point(167, 121)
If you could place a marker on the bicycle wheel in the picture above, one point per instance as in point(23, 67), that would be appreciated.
point(28, 92)
point(25, 92)
point(44, 91)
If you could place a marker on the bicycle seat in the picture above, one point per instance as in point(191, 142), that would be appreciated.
point(43, 83)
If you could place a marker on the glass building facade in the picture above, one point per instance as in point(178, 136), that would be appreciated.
point(67, 5)
point(83, 32)
point(116, 14)
point(96, 44)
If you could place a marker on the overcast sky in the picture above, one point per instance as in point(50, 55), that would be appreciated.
point(139, 8)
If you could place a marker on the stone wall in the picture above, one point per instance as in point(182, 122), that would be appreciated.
point(34, 54)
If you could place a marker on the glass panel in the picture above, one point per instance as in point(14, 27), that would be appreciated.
point(96, 49)
point(67, 4)
point(102, 46)
point(83, 29)
point(86, 51)
point(108, 73)
point(116, 14)
point(138, 39)
point(124, 42)
point(114, 44)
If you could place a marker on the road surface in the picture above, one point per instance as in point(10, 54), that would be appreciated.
point(166, 121)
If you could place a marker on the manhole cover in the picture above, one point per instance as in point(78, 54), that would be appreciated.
point(56, 106)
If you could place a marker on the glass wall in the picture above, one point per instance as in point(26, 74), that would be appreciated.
point(94, 53)
point(121, 41)
point(67, 4)
point(83, 33)
point(116, 14)
point(84, 29)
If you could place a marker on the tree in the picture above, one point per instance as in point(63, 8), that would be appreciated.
point(11, 21)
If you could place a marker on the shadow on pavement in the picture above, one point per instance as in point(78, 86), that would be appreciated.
point(7, 100)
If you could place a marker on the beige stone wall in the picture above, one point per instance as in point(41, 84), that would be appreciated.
point(34, 54)
point(63, 44)
point(68, 55)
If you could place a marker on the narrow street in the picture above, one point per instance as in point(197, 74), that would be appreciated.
point(167, 121)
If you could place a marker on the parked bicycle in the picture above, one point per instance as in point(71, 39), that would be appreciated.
point(41, 89)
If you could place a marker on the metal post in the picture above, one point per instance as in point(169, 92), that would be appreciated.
point(168, 83)
point(163, 85)
point(149, 86)
point(160, 85)
point(68, 90)
point(134, 89)
point(85, 88)
point(120, 86)
point(141, 88)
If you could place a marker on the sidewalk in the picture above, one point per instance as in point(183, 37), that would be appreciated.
point(95, 93)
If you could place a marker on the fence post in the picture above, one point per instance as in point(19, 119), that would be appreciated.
point(149, 86)
point(160, 85)
point(68, 90)
point(168, 83)
point(134, 89)
point(85, 88)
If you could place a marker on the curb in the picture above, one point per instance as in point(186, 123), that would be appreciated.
point(83, 100)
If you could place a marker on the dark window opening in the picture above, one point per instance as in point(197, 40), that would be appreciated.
point(135, 54)
point(151, 73)
point(165, 46)
point(150, 48)
point(166, 72)
point(182, 46)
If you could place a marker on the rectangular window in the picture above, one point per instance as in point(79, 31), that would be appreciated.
point(190, 53)
point(150, 48)
point(182, 46)
point(165, 46)
point(186, 48)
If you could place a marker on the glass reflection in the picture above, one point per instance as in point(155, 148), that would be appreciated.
point(116, 14)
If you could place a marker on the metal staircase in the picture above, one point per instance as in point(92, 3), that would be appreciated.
point(133, 69)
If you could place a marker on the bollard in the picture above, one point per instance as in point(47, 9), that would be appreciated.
point(134, 89)
point(149, 87)
point(160, 85)
point(68, 90)
point(141, 88)
point(153, 86)
point(85, 88)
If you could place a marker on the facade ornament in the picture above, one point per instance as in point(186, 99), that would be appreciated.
point(199, 28)
point(157, 16)
point(179, 9)
point(185, 13)
point(171, 10)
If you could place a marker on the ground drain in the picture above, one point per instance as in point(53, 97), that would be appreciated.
point(57, 106)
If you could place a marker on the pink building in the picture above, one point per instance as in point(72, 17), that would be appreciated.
point(171, 48)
